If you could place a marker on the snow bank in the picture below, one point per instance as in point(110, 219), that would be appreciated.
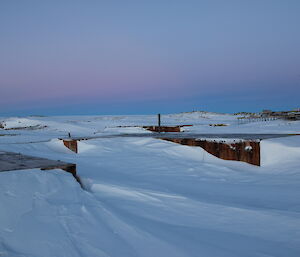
point(36, 209)
point(19, 122)
point(280, 151)
point(85, 147)
point(148, 197)
point(57, 146)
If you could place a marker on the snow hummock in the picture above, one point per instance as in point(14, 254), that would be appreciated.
point(19, 122)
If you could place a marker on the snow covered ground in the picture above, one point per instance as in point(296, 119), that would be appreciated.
point(148, 197)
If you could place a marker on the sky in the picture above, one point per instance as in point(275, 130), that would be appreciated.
point(63, 57)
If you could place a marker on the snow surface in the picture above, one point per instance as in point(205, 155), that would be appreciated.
point(149, 197)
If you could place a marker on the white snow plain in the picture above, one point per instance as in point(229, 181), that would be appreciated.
point(149, 197)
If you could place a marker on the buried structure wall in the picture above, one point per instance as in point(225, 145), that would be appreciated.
point(71, 144)
point(245, 151)
point(163, 128)
point(166, 128)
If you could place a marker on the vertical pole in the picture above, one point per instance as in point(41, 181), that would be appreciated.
point(158, 116)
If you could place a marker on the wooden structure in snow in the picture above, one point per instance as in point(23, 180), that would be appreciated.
point(10, 161)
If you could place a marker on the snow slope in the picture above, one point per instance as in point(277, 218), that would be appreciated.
point(148, 197)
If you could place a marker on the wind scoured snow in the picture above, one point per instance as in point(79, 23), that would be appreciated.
point(149, 197)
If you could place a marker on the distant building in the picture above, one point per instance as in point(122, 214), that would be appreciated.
point(287, 115)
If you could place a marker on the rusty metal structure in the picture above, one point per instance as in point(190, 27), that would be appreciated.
point(245, 151)
point(166, 128)
point(71, 144)
point(163, 128)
